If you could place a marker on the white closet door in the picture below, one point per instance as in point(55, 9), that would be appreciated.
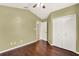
point(64, 32)
point(58, 32)
point(69, 41)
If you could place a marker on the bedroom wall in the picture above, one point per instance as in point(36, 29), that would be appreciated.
point(49, 29)
point(17, 27)
point(74, 9)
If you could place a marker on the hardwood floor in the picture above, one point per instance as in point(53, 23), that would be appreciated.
point(39, 48)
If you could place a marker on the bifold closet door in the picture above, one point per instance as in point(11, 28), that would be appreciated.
point(58, 29)
point(64, 32)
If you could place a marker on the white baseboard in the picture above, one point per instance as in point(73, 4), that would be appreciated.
point(43, 39)
point(77, 52)
point(63, 48)
point(50, 43)
point(17, 46)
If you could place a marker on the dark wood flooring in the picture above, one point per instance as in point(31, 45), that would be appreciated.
point(39, 48)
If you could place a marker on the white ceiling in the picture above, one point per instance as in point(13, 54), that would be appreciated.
point(40, 12)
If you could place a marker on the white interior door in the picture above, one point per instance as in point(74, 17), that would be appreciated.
point(38, 30)
point(43, 31)
point(64, 32)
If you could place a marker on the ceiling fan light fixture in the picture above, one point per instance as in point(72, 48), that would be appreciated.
point(39, 5)
point(43, 6)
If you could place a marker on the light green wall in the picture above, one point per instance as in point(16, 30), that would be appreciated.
point(49, 29)
point(66, 11)
point(77, 31)
point(16, 25)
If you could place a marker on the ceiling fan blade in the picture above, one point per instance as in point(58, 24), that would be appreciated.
point(34, 5)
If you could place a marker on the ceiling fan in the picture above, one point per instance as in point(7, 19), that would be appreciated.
point(39, 5)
